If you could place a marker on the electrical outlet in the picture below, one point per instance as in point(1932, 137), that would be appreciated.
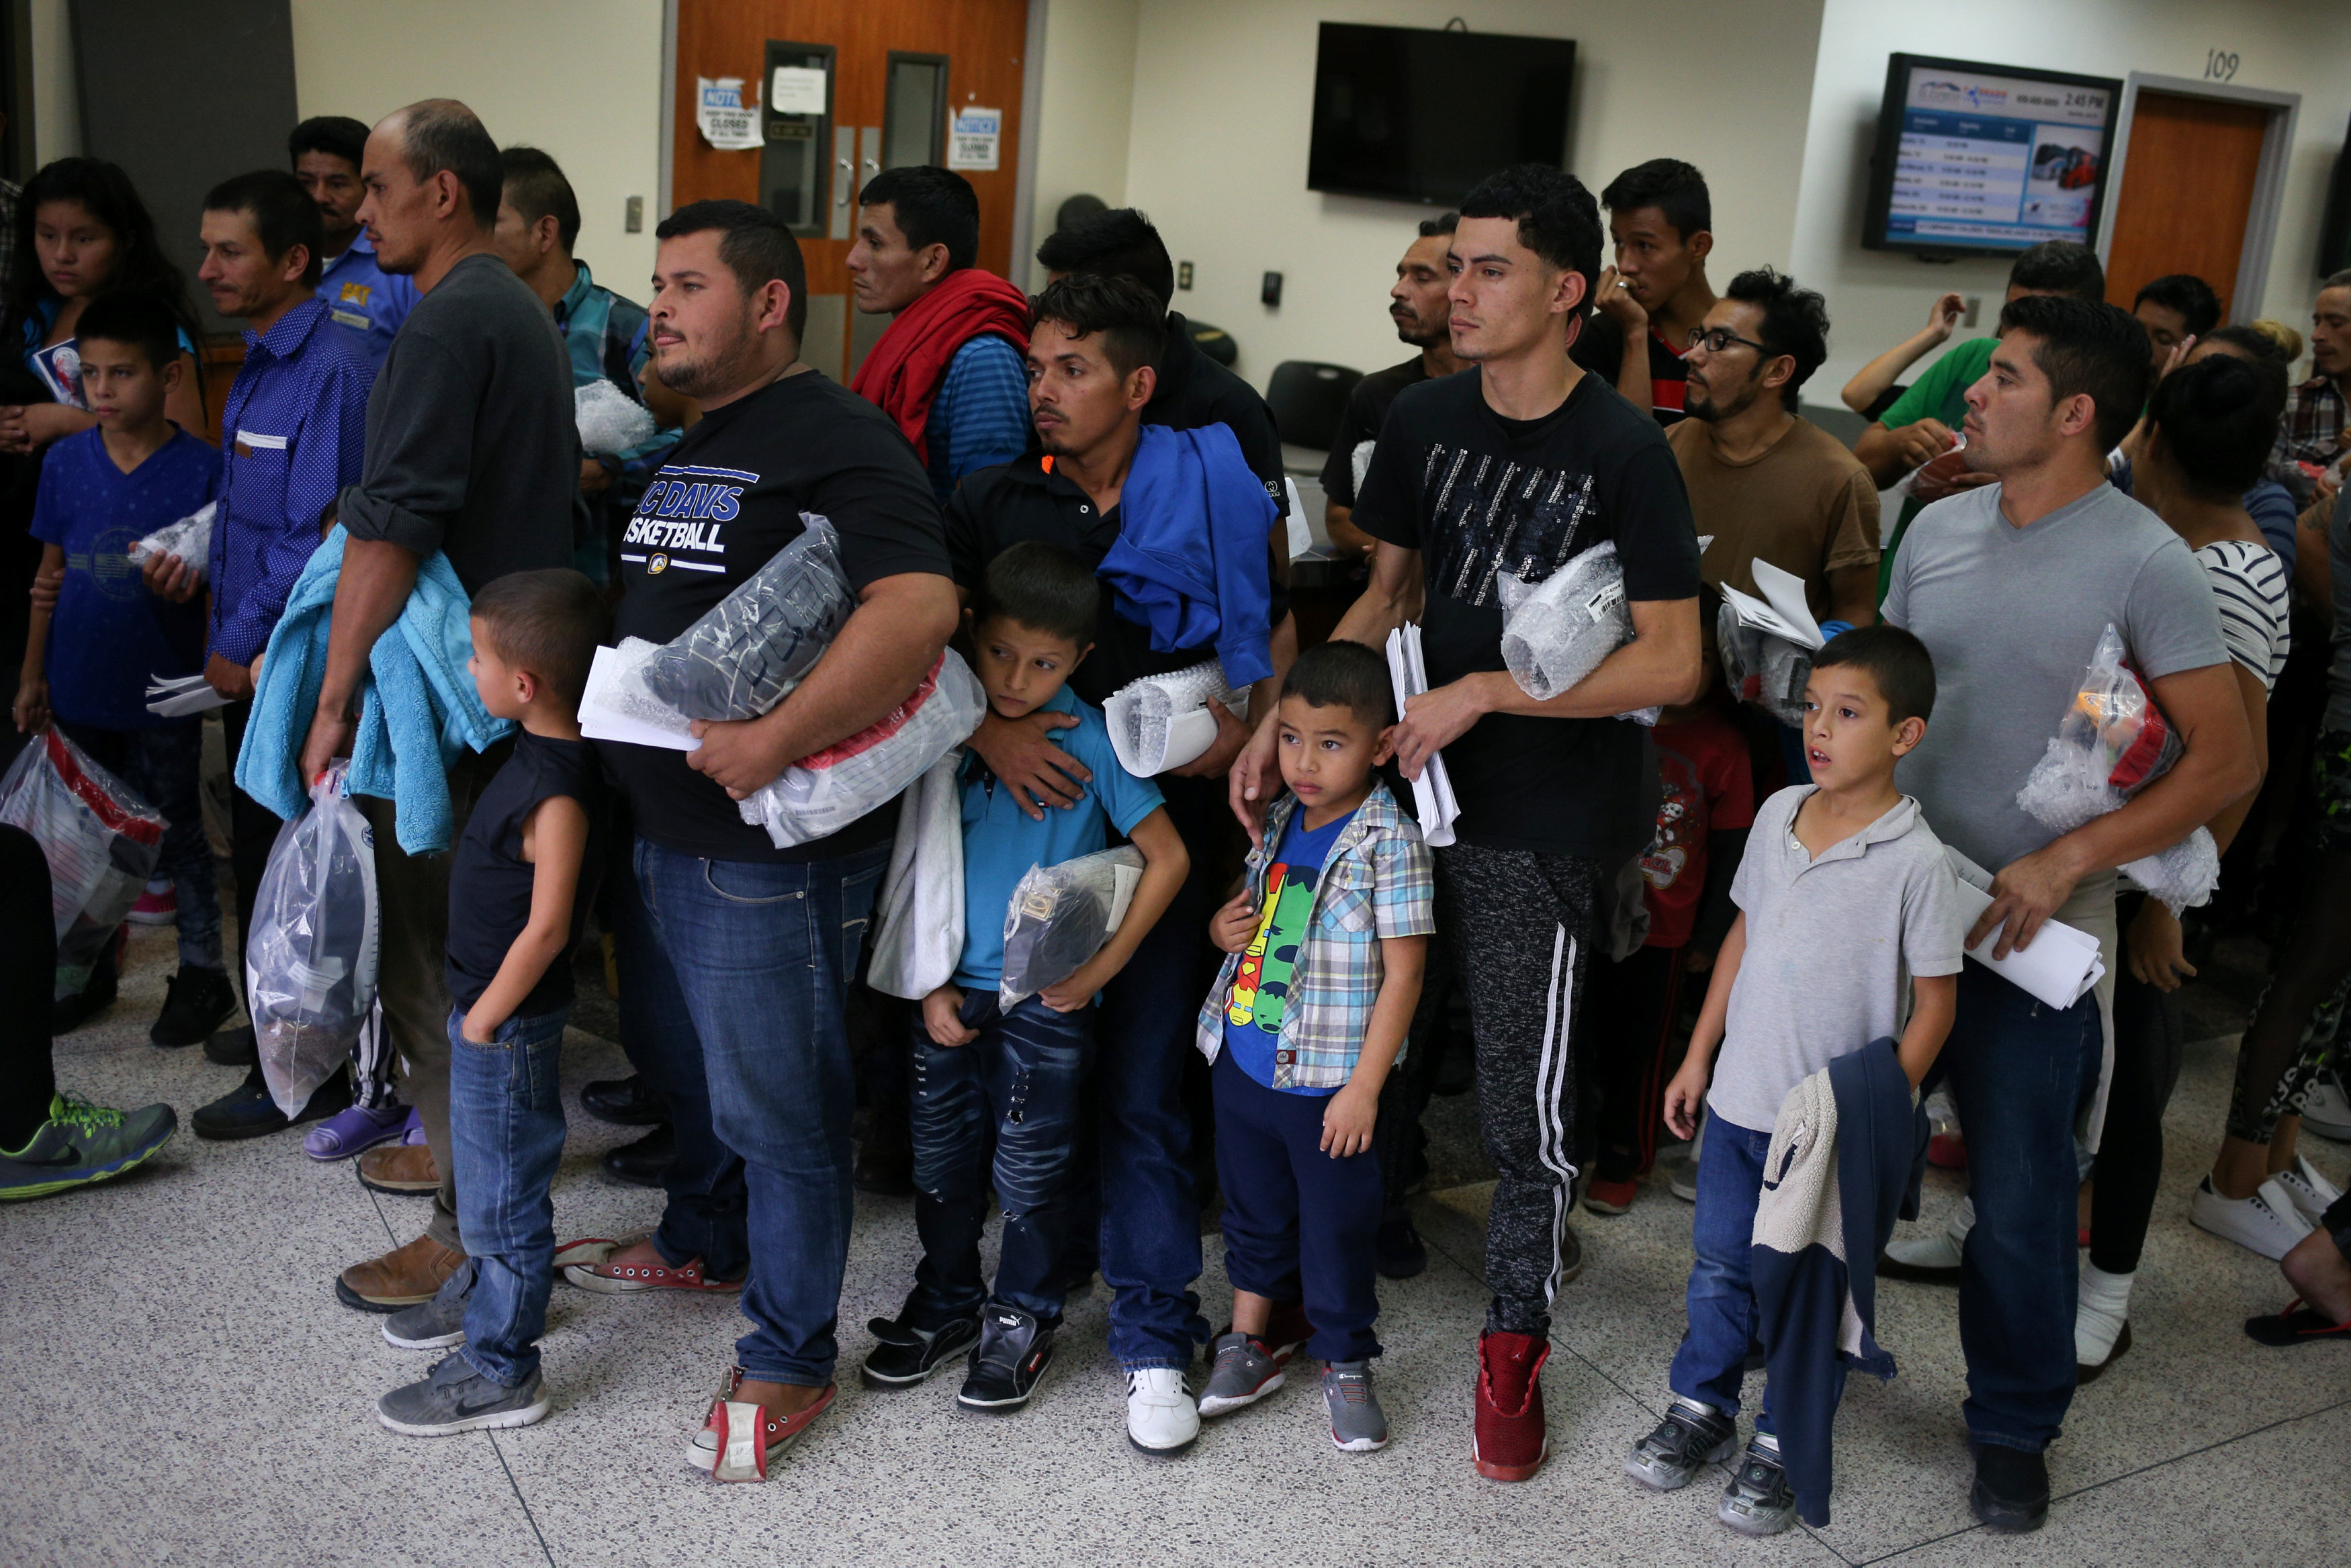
point(1184, 275)
point(1268, 292)
point(635, 223)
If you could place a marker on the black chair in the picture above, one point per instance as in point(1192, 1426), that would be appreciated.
point(1215, 342)
point(1308, 399)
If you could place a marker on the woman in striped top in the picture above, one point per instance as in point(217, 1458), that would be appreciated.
point(2209, 429)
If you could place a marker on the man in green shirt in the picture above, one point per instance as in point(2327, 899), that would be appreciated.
point(1918, 426)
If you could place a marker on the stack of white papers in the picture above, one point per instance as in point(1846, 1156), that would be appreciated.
point(603, 719)
point(2060, 967)
point(1432, 792)
point(1782, 611)
point(178, 699)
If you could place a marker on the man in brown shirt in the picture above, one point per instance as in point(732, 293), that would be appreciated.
point(1766, 484)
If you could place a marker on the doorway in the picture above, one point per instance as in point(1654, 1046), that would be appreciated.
point(840, 90)
point(2202, 176)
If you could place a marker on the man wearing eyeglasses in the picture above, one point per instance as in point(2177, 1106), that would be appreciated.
point(1767, 484)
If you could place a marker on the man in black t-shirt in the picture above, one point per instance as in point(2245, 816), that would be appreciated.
point(736, 956)
point(1520, 465)
point(1660, 220)
point(1422, 314)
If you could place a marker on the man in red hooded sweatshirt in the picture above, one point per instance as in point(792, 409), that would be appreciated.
point(949, 369)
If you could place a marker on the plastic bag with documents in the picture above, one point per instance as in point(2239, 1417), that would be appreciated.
point(1061, 916)
point(823, 793)
point(1163, 721)
point(1557, 631)
point(311, 959)
point(1759, 668)
point(101, 842)
point(748, 651)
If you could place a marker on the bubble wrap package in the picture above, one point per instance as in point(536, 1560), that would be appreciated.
point(1060, 917)
point(611, 422)
point(1759, 667)
point(754, 646)
point(101, 842)
point(1164, 721)
point(2182, 876)
point(2111, 742)
point(190, 539)
point(310, 960)
point(1557, 631)
point(825, 792)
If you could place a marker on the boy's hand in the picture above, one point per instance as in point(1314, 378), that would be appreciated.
point(45, 586)
point(476, 1033)
point(2158, 954)
point(168, 577)
point(943, 1017)
point(1231, 926)
point(32, 707)
point(1348, 1120)
point(1079, 989)
point(1683, 1097)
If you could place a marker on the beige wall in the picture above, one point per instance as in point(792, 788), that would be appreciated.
point(1086, 92)
point(1878, 298)
point(1223, 93)
point(57, 103)
point(580, 79)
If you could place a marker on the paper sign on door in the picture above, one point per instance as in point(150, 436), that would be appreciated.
point(726, 122)
point(973, 139)
point(797, 90)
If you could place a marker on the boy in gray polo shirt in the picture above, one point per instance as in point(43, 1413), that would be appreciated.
point(1847, 909)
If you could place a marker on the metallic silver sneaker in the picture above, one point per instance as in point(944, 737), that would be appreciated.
point(453, 1397)
point(1358, 1425)
point(1759, 1500)
point(1691, 1437)
point(1245, 1372)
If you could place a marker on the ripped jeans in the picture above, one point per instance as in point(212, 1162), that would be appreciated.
point(1016, 1086)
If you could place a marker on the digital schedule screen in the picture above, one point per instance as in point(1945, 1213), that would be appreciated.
point(1975, 157)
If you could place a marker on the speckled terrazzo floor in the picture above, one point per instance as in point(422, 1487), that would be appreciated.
point(177, 1385)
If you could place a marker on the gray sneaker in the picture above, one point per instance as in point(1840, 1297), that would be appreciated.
point(438, 1323)
point(452, 1397)
point(1759, 1500)
point(1245, 1372)
point(1691, 1437)
point(1358, 1425)
point(79, 1144)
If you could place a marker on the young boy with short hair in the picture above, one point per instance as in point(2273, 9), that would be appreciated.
point(89, 660)
point(985, 1074)
point(1845, 904)
point(1326, 943)
point(519, 889)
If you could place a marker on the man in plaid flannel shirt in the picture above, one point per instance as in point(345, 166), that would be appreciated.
point(2317, 414)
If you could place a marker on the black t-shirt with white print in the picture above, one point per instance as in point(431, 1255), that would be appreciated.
point(729, 497)
point(1475, 494)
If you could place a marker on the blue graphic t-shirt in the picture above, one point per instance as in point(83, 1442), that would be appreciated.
point(108, 636)
point(1270, 963)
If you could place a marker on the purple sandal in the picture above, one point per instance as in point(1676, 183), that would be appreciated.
point(349, 1132)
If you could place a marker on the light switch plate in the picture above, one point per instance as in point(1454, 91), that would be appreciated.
point(635, 223)
point(1183, 274)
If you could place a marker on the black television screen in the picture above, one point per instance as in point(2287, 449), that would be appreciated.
point(1410, 114)
point(1972, 157)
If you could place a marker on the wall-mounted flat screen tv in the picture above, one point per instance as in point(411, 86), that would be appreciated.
point(1411, 114)
point(1974, 158)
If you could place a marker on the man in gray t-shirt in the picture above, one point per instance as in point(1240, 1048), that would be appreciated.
point(2010, 587)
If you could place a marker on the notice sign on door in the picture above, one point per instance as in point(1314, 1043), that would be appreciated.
point(973, 139)
point(727, 122)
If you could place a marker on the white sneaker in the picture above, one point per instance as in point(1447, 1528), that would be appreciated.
point(2268, 1223)
point(2326, 1111)
point(2311, 1191)
point(1161, 1418)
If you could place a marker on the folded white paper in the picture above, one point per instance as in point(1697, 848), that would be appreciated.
point(1432, 792)
point(605, 715)
point(1164, 721)
point(1782, 611)
point(2060, 967)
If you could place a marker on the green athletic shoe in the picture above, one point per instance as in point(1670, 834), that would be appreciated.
point(80, 1144)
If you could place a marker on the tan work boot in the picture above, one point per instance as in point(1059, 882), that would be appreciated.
point(401, 1278)
point(405, 1168)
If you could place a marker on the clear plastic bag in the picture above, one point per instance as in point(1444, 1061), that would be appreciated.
point(1759, 667)
point(825, 792)
point(1557, 631)
point(1060, 917)
point(753, 647)
point(2184, 875)
point(1163, 721)
point(190, 539)
point(2112, 740)
point(311, 958)
point(101, 842)
point(611, 422)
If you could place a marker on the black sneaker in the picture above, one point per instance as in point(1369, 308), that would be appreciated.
point(1691, 1437)
point(1397, 1251)
point(1013, 1352)
point(629, 1102)
point(198, 1000)
point(1759, 1500)
point(2011, 1489)
point(907, 1355)
point(642, 1162)
point(232, 1047)
point(247, 1111)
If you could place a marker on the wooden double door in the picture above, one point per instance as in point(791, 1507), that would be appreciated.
point(838, 90)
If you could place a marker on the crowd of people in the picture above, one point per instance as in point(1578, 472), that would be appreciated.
point(1066, 495)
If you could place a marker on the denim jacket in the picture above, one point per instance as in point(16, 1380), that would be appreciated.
point(1376, 883)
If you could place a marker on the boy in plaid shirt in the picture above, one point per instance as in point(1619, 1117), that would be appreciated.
point(1326, 941)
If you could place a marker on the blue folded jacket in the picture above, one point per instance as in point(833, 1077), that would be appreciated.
point(418, 708)
point(1190, 562)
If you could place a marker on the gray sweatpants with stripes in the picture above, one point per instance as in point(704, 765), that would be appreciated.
point(1520, 925)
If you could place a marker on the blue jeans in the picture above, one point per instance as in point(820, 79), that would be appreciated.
point(506, 1133)
point(1015, 1086)
point(2020, 1072)
point(1711, 1364)
point(750, 964)
point(162, 765)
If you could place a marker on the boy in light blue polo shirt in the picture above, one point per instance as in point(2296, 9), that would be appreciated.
point(985, 1073)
